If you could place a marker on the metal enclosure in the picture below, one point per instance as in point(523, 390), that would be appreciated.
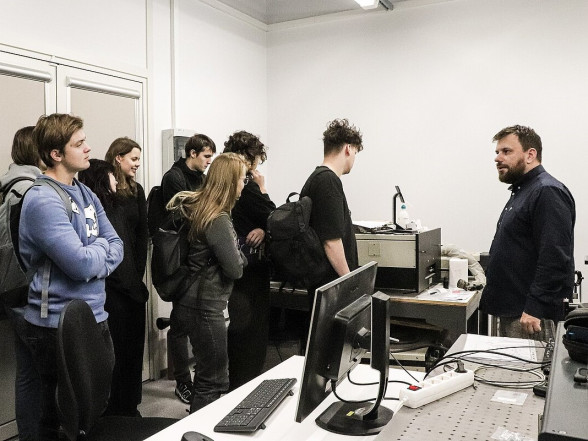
point(410, 262)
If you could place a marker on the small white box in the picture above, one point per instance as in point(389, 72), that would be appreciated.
point(458, 269)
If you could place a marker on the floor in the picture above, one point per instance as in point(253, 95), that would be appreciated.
point(159, 398)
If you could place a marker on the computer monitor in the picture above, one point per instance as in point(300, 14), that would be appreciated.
point(397, 195)
point(347, 320)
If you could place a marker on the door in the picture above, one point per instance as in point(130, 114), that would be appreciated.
point(110, 104)
point(27, 91)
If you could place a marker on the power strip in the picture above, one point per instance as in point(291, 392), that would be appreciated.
point(435, 388)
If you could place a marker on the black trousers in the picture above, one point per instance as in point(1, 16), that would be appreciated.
point(248, 332)
point(126, 319)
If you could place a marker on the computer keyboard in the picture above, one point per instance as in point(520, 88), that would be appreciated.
point(251, 413)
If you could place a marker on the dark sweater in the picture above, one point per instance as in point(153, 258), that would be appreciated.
point(129, 218)
point(251, 210)
point(180, 178)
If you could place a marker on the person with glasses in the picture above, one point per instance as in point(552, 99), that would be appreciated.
point(249, 305)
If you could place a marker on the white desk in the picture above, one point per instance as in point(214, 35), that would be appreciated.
point(281, 424)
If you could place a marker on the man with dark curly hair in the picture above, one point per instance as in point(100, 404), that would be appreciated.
point(249, 304)
point(330, 215)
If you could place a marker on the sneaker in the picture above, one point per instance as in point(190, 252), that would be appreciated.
point(184, 392)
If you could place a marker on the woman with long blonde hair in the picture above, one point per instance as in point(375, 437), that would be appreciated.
point(126, 294)
point(214, 261)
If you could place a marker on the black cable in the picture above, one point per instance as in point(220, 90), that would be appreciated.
point(398, 363)
point(375, 382)
point(487, 351)
point(278, 351)
point(413, 348)
point(334, 389)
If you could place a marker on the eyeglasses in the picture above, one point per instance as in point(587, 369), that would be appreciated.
point(246, 181)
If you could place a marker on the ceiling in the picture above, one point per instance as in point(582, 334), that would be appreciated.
point(278, 11)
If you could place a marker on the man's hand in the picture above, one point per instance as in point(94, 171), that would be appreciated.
point(530, 324)
point(255, 237)
point(259, 179)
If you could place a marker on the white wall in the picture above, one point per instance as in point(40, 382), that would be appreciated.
point(429, 87)
point(220, 73)
point(108, 33)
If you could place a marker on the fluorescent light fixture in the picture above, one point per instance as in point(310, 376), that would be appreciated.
point(368, 4)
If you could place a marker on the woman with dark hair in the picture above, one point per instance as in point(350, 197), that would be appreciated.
point(126, 294)
point(249, 304)
point(100, 178)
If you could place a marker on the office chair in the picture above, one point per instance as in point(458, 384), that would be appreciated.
point(84, 368)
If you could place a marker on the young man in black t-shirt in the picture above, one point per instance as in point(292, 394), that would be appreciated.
point(330, 215)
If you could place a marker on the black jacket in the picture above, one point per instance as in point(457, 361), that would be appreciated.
point(180, 178)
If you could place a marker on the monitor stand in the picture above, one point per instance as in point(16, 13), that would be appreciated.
point(366, 418)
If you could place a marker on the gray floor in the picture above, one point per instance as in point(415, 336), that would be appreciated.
point(159, 398)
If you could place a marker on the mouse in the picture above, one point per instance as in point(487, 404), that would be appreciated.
point(195, 436)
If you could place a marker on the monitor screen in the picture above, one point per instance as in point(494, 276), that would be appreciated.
point(340, 333)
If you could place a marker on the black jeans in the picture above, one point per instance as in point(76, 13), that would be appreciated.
point(208, 336)
point(28, 382)
point(42, 343)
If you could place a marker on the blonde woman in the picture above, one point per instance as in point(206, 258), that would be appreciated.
point(215, 261)
point(126, 294)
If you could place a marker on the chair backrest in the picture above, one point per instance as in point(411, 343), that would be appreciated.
point(85, 361)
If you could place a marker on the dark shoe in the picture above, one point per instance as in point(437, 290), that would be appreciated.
point(184, 392)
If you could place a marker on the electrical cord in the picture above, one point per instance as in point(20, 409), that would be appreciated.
point(343, 400)
point(534, 369)
point(403, 368)
point(375, 382)
point(510, 384)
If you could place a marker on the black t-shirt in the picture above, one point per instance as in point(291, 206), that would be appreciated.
point(330, 216)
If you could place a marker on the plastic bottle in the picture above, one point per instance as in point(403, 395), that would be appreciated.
point(403, 218)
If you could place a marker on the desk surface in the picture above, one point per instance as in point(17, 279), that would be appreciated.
point(469, 414)
point(281, 424)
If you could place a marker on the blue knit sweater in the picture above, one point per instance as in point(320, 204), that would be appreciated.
point(83, 251)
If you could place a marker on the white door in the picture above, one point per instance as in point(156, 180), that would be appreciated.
point(27, 91)
point(110, 106)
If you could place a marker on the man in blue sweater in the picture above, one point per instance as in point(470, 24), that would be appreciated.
point(531, 266)
point(80, 251)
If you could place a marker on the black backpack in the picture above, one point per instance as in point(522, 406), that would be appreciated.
point(14, 279)
point(156, 212)
point(155, 209)
point(295, 250)
point(169, 272)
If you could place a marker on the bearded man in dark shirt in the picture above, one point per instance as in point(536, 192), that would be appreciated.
point(531, 266)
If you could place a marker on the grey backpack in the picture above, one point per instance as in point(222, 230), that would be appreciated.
point(14, 279)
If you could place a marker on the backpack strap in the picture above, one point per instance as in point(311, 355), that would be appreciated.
point(47, 264)
point(6, 188)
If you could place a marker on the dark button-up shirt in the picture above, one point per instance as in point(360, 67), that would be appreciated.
point(531, 265)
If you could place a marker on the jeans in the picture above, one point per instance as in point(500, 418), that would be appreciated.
point(207, 332)
point(27, 383)
point(178, 347)
point(42, 342)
